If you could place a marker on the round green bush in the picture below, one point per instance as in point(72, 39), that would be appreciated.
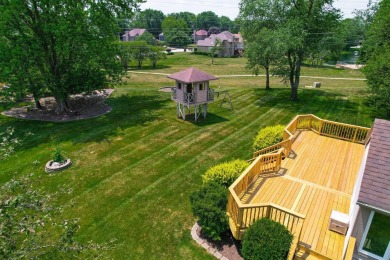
point(268, 136)
point(225, 173)
point(209, 205)
point(266, 239)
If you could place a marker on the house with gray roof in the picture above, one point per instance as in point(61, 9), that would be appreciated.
point(229, 45)
point(132, 35)
point(370, 202)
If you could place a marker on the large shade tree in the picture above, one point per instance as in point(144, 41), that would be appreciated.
point(150, 20)
point(61, 47)
point(298, 26)
point(175, 32)
point(207, 19)
point(188, 17)
point(376, 47)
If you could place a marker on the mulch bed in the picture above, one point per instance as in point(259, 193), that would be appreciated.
point(228, 246)
point(83, 106)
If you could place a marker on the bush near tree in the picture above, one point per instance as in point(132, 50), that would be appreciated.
point(209, 205)
point(209, 202)
point(266, 239)
point(225, 173)
point(268, 136)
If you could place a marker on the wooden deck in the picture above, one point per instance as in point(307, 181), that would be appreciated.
point(318, 176)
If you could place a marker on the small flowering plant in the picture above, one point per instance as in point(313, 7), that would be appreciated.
point(57, 155)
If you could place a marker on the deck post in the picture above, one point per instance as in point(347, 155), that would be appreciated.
point(239, 220)
point(354, 136)
point(320, 128)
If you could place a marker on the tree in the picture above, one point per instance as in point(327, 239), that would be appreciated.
point(150, 20)
point(215, 49)
point(148, 38)
point(261, 52)
point(68, 45)
point(188, 17)
point(175, 32)
point(225, 24)
point(207, 19)
point(376, 46)
point(155, 54)
point(298, 27)
point(124, 53)
point(213, 30)
point(139, 52)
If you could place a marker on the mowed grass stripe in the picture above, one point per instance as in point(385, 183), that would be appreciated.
point(181, 167)
point(187, 140)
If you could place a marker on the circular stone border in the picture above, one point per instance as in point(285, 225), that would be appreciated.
point(212, 250)
point(49, 168)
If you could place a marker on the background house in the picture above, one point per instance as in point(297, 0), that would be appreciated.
point(200, 35)
point(132, 34)
point(370, 205)
point(229, 44)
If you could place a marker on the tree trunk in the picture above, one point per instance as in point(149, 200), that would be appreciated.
point(62, 105)
point(295, 73)
point(139, 64)
point(267, 87)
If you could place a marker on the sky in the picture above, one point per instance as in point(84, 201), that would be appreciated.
point(230, 7)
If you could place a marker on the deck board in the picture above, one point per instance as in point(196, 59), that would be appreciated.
point(318, 179)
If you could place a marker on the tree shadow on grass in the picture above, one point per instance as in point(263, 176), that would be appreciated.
point(127, 111)
point(149, 67)
point(339, 107)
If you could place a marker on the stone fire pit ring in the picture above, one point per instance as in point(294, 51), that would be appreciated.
point(52, 166)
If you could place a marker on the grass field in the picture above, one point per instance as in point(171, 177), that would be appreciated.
point(135, 167)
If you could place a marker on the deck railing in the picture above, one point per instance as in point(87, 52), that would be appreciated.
point(352, 133)
point(269, 160)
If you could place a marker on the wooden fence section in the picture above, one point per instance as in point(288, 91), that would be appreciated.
point(352, 133)
point(262, 164)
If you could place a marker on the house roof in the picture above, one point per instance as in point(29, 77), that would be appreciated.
point(135, 32)
point(374, 190)
point(238, 36)
point(208, 42)
point(191, 75)
point(201, 33)
point(223, 36)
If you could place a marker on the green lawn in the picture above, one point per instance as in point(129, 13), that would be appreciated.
point(233, 66)
point(135, 167)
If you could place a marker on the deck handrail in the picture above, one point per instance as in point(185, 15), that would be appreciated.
point(269, 159)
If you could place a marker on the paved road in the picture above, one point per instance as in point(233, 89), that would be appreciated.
point(234, 76)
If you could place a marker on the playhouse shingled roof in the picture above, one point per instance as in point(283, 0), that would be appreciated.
point(191, 75)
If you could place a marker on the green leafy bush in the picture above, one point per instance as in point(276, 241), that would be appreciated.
point(209, 205)
point(57, 155)
point(266, 239)
point(267, 136)
point(225, 173)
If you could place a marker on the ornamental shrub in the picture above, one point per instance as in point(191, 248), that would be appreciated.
point(225, 173)
point(268, 136)
point(266, 239)
point(209, 205)
point(57, 155)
